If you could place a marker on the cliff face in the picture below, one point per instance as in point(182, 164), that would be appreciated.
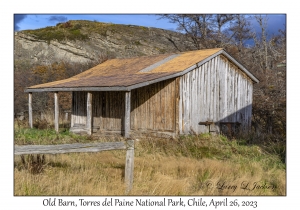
point(86, 41)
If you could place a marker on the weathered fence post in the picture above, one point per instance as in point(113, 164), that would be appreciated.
point(30, 109)
point(129, 165)
point(87, 147)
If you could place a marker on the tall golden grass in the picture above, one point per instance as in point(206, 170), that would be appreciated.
point(193, 165)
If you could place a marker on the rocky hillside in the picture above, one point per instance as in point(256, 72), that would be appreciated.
point(86, 41)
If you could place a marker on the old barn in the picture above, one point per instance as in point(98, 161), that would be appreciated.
point(163, 95)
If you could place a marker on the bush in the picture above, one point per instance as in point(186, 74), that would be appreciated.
point(33, 163)
point(42, 124)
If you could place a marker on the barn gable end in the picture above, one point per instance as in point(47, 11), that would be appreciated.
point(215, 96)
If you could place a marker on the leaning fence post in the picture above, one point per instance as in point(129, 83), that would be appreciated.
point(129, 165)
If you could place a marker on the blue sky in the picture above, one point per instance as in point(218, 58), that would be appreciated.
point(35, 21)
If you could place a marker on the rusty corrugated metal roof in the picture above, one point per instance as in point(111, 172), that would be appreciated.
point(131, 71)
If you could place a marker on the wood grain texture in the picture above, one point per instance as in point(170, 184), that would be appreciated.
point(177, 105)
point(129, 165)
point(180, 107)
point(89, 113)
point(30, 110)
point(56, 112)
point(153, 107)
point(217, 91)
point(127, 114)
point(68, 148)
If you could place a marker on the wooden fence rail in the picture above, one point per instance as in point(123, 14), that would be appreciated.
point(90, 147)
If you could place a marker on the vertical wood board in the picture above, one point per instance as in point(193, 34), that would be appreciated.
point(30, 110)
point(56, 112)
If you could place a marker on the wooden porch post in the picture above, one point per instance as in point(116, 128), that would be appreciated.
point(127, 114)
point(89, 113)
point(56, 112)
point(30, 109)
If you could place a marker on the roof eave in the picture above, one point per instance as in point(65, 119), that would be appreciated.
point(70, 89)
point(253, 78)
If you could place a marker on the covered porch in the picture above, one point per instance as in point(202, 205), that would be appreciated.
point(86, 112)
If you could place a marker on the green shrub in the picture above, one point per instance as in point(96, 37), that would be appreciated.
point(62, 31)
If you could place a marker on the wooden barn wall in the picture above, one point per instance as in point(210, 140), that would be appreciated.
point(217, 91)
point(107, 110)
point(153, 107)
point(78, 117)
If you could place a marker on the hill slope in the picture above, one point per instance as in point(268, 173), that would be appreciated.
point(86, 41)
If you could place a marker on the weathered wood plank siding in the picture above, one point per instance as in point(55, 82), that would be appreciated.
point(126, 122)
point(217, 91)
point(107, 110)
point(153, 107)
point(79, 105)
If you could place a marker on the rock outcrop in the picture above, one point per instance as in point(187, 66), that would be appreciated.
point(111, 40)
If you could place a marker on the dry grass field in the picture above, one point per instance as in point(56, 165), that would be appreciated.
point(191, 165)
